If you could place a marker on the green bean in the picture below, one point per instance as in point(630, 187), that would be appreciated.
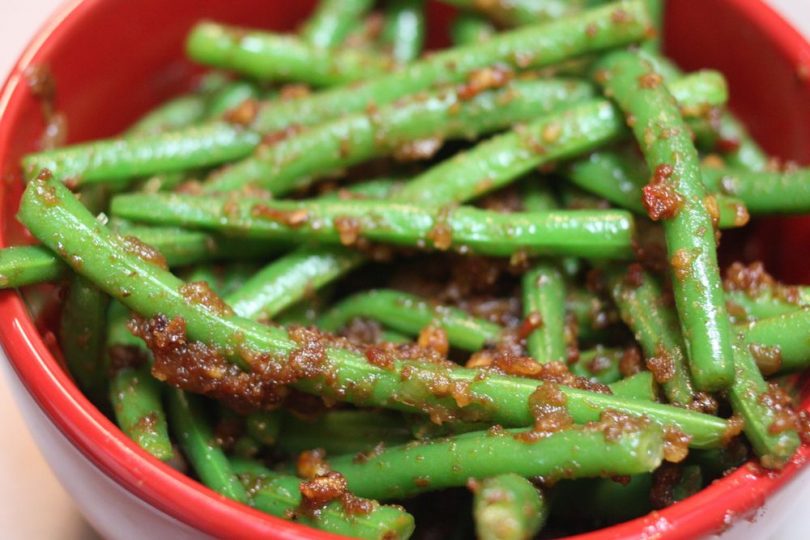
point(656, 11)
point(691, 244)
point(508, 507)
point(135, 397)
point(194, 434)
point(723, 133)
point(536, 197)
point(230, 97)
point(26, 265)
point(177, 113)
point(570, 132)
point(409, 314)
point(269, 57)
point(598, 364)
point(772, 301)
point(772, 440)
point(639, 386)
point(522, 12)
point(117, 160)
point(282, 283)
point(58, 219)
point(403, 471)
point(81, 336)
point(280, 495)
point(264, 427)
point(400, 127)
point(644, 309)
point(404, 29)
point(620, 180)
point(469, 28)
point(585, 233)
point(333, 20)
point(595, 316)
point(763, 192)
point(780, 340)
point(544, 299)
point(343, 432)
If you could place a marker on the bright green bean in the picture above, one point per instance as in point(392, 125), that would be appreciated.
point(544, 300)
point(402, 471)
point(194, 434)
point(468, 28)
point(508, 507)
point(639, 386)
point(280, 495)
point(269, 57)
point(599, 364)
point(763, 192)
point(644, 309)
point(522, 12)
point(691, 244)
point(332, 21)
point(404, 29)
point(585, 233)
point(410, 314)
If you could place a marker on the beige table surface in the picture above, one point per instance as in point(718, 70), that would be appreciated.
point(32, 504)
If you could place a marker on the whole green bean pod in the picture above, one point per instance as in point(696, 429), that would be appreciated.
point(763, 192)
point(544, 300)
point(772, 439)
point(402, 127)
point(25, 265)
point(403, 471)
point(584, 233)
point(176, 113)
point(770, 302)
point(135, 397)
point(194, 434)
point(280, 495)
point(404, 29)
point(81, 336)
point(333, 20)
point(621, 180)
point(58, 219)
point(678, 197)
point(410, 314)
point(117, 160)
point(343, 432)
point(134, 394)
point(522, 12)
point(468, 28)
point(639, 386)
point(644, 309)
point(508, 507)
point(269, 56)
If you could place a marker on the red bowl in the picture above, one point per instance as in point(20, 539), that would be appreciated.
point(114, 59)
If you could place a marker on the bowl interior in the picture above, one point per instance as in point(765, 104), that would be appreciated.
point(112, 60)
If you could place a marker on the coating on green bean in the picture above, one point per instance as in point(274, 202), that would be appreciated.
point(413, 128)
point(677, 196)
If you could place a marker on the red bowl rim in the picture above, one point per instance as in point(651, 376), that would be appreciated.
point(740, 494)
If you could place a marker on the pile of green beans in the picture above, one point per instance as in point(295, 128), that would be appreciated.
point(492, 267)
